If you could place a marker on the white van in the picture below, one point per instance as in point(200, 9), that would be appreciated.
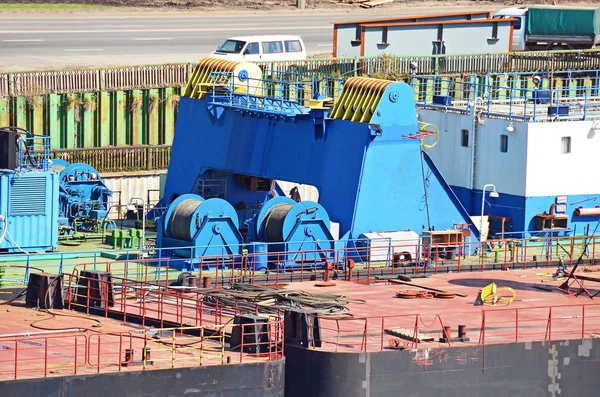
point(261, 49)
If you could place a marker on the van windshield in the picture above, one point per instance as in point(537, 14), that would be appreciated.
point(232, 46)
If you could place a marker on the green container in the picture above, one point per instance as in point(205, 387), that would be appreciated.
point(563, 21)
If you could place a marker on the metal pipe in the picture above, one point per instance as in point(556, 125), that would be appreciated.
point(131, 200)
point(27, 334)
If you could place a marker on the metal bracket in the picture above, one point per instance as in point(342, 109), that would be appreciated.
point(375, 129)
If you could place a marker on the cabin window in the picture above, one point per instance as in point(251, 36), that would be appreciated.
point(565, 144)
point(504, 143)
point(464, 138)
point(272, 47)
point(293, 46)
point(252, 49)
point(517, 24)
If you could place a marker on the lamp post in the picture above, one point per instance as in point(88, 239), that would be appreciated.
point(131, 201)
point(493, 194)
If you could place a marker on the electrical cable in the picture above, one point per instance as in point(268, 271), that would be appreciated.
point(53, 315)
point(12, 240)
point(4, 228)
point(425, 186)
point(8, 302)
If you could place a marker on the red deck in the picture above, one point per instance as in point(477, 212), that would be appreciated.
point(534, 315)
point(101, 343)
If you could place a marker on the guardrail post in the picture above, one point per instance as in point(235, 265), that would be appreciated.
point(101, 79)
point(148, 158)
point(355, 66)
point(11, 84)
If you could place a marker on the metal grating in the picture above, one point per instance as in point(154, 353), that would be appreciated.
point(28, 196)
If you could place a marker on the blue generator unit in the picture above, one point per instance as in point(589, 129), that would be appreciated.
point(28, 193)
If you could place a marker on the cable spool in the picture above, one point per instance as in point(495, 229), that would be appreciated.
point(282, 219)
point(191, 218)
point(182, 218)
point(274, 223)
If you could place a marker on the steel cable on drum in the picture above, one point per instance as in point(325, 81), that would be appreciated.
point(182, 217)
point(274, 223)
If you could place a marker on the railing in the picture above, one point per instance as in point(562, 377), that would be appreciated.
point(116, 159)
point(173, 75)
point(362, 334)
point(277, 93)
point(46, 354)
point(568, 99)
point(380, 258)
point(4, 79)
point(530, 324)
point(71, 81)
point(155, 76)
point(154, 302)
point(33, 151)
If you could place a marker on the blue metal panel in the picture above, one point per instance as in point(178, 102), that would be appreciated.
point(29, 204)
point(369, 176)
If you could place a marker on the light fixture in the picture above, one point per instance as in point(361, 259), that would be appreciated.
point(493, 194)
point(510, 127)
point(537, 80)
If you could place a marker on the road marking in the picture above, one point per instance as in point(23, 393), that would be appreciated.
point(153, 38)
point(164, 30)
point(243, 24)
point(324, 45)
point(21, 40)
point(83, 49)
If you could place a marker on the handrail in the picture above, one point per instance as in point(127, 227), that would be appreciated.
point(176, 75)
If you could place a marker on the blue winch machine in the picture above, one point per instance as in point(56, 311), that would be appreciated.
point(297, 234)
point(192, 228)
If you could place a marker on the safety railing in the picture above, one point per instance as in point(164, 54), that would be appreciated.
point(164, 303)
point(530, 324)
point(118, 159)
point(47, 354)
point(377, 257)
point(373, 333)
point(152, 76)
point(33, 151)
point(170, 75)
point(276, 92)
point(571, 98)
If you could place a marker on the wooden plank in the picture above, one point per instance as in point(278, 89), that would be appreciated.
point(409, 334)
point(585, 277)
point(392, 280)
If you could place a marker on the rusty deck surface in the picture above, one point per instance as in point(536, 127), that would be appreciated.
point(528, 318)
point(67, 342)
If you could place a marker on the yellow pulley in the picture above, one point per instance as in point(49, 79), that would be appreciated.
point(431, 129)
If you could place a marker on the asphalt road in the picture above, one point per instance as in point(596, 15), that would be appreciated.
point(51, 42)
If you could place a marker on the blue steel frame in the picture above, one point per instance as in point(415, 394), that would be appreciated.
point(370, 177)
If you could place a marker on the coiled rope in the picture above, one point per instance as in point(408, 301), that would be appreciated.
point(182, 218)
point(274, 223)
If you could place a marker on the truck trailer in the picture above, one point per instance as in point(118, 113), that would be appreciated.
point(553, 28)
